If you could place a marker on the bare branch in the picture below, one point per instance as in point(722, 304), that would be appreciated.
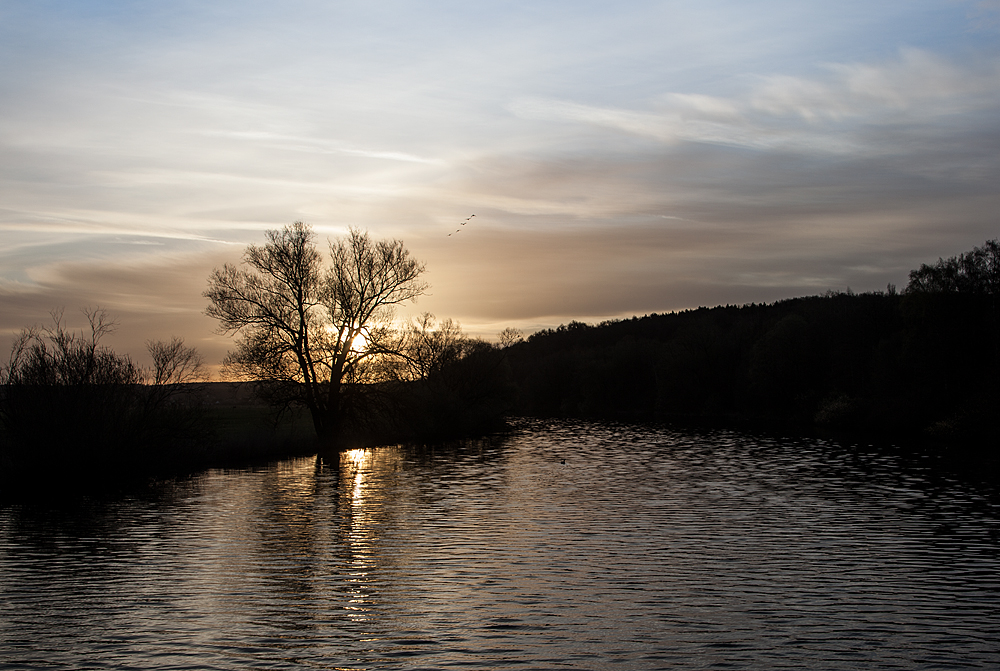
point(173, 363)
point(297, 321)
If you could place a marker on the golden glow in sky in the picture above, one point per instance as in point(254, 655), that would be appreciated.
point(619, 159)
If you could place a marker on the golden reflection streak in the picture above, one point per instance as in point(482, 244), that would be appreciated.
point(363, 487)
point(361, 461)
point(355, 464)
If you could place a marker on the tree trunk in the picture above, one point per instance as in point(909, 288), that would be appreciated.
point(331, 420)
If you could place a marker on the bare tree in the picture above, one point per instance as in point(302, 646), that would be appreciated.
point(510, 336)
point(430, 345)
point(306, 327)
point(56, 356)
point(174, 363)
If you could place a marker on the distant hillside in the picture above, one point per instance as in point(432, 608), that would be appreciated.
point(925, 361)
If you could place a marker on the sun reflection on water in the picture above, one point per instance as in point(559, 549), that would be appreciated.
point(356, 466)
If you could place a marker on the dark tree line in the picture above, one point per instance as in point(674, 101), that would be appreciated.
point(73, 409)
point(971, 273)
point(321, 336)
point(925, 360)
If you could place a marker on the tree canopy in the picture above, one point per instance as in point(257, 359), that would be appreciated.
point(974, 272)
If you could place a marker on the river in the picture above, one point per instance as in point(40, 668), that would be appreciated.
point(565, 545)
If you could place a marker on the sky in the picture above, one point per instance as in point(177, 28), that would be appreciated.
point(620, 158)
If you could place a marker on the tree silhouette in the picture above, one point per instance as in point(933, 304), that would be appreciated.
point(308, 327)
point(975, 272)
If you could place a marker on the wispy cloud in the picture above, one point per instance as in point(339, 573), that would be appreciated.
point(918, 84)
point(320, 146)
point(791, 113)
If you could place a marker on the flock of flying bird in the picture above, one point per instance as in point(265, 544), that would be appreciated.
point(467, 219)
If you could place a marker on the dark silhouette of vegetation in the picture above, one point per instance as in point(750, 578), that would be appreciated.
point(71, 409)
point(922, 361)
point(972, 273)
point(441, 385)
point(307, 328)
point(319, 334)
point(174, 364)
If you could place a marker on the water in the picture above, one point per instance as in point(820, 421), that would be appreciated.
point(646, 549)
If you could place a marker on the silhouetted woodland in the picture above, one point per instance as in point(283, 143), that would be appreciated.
point(72, 410)
point(922, 361)
point(925, 361)
point(77, 416)
point(466, 391)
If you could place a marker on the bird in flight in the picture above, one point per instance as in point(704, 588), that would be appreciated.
point(458, 230)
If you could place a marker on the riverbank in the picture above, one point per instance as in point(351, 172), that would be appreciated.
point(212, 425)
point(216, 425)
point(231, 428)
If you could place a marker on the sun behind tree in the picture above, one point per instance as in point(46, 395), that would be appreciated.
point(298, 318)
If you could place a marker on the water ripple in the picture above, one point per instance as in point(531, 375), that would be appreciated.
point(566, 545)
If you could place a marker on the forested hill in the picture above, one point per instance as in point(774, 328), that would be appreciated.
point(925, 360)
